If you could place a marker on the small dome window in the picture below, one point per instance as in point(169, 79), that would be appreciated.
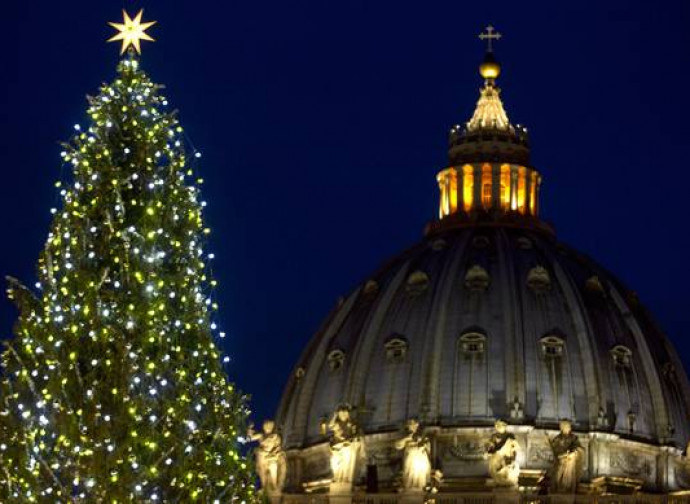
point(417, 282)
point(593, 284)
point(438, 244)
point(472, 343)
point(336, 360)
point(396, 350)
point(622, 356)
point(524, 243)
point(370, 288)
point(538, 279)
point(477, 278)
point(300, 372)
point(480, 242)
point(552, 346)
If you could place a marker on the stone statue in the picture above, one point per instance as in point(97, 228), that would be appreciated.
point(346, 446)
point(501, 451)
point(416, 457)
point(271, 461)
point(568, 457)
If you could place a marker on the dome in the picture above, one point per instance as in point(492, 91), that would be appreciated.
point(491, 317)
point(486, 322)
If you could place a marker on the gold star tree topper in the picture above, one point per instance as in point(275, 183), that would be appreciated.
point(132, 31)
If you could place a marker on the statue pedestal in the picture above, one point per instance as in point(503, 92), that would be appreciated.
point(412, 496)
point(506, 495)
point(340, 493)
point(274, 497)
point(562, 499)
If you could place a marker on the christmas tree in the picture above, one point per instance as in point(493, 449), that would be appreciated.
point(113, 389)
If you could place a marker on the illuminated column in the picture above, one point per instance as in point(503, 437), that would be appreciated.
point(453, 190)
point(443, 206)
point(513, 187)
point(532, 188)
point(505, 187)
point(477, 180)
point(467, 187)
point(448, 187)
point(522, 190)
point(495, 186)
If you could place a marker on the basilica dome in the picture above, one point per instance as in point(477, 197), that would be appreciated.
point(491, 317)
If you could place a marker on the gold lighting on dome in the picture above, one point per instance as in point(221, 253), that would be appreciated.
point(132, 31)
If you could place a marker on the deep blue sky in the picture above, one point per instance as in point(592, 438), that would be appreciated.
point(323, 125)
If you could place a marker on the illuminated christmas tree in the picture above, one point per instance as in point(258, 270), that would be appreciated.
point(113, 388)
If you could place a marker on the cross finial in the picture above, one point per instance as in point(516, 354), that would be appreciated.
point(490, 35)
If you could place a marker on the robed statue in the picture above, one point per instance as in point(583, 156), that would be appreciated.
point(271, 461)
point(345, 444)
point(501, 450)
point(416, 457)
point(568, 459)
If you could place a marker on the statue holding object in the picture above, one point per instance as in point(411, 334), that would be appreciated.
point(501, 450)
point(346, 446)
point(417, 457)
point(568, 458)
point(271, 461)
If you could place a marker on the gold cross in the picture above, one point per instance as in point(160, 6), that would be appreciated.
point(489, 36)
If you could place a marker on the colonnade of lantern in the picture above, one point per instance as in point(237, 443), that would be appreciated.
point(489, 186)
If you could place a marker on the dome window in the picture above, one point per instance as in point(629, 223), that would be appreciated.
point(552, 347)
point(473, 343)
point(480, 242)
point(417, 282)
point(300, 372)
point(538, 279)
point(396, 350)
point(622, 356)
point(593, 284)
point(524, 243)
point(336, 360)
point(371, 288)
point(438, 244)
point(477, 278)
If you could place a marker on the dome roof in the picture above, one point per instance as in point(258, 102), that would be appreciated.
point(486, 322)
point(490, 317)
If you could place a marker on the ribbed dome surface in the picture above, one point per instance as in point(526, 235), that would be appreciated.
point(481, 322)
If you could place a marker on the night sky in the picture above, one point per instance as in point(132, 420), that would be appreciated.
point(323, 125)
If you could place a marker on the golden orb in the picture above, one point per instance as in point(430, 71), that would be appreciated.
point(490, 68)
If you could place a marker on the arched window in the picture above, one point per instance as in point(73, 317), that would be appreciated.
point(555, 388)
point(538, 279)
point(477, 278)
point(552, 347)
point(336, 360)
point(622, 356)
point(470, 385)
point(472, 343)
point(396, 350)
point(417, 282)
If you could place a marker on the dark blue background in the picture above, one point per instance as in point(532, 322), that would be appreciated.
point(323, 125)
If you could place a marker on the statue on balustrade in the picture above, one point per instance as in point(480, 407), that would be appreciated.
point(501, 451)
point(416, 457)
point(346, 446)
point(271, 462)
point(568, 459)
